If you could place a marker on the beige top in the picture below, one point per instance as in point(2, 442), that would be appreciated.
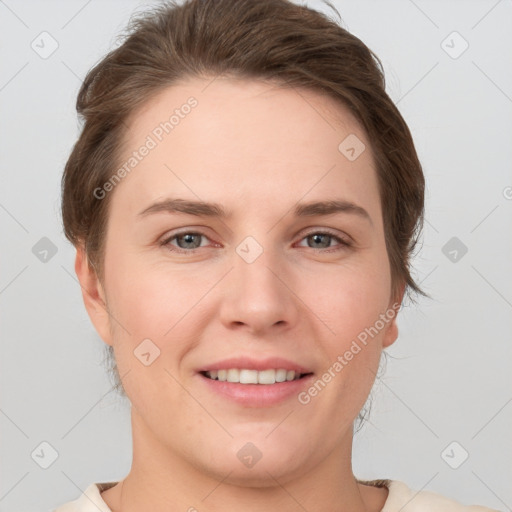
point(400, 498)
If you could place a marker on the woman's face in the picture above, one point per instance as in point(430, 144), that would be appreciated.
point(274, 283)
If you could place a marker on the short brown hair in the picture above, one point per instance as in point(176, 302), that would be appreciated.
point(274, 40)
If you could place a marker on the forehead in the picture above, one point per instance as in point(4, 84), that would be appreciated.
point(221, 139)
point(249, 106)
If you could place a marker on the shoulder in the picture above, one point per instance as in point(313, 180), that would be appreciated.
point(402, 498)
point(89, 501)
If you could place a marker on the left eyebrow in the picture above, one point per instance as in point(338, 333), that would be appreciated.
point(330, 208)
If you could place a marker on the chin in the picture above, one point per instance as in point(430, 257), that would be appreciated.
point(269, 473)
point(260, 462)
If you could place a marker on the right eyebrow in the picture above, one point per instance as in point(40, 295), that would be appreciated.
point(199, 208)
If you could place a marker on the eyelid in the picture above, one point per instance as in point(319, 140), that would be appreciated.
point(344, 241)
point(327, 231)
point(184, 231)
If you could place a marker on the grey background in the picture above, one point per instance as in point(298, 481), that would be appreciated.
point(449, 377)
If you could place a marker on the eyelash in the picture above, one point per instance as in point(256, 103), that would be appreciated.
point(344, 243)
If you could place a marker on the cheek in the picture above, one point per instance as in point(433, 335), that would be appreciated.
point(151, 300)
point(157, 316)
point(351, 302)
point(350, 299)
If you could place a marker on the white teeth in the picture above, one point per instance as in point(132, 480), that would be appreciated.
point(280, 375)
point(244, 376)
point(267, 377)
point(248, 377)
point(233, 375)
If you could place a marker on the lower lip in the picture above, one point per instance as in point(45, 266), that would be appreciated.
point(258, 395)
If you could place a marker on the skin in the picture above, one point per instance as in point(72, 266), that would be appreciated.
point(257, 149)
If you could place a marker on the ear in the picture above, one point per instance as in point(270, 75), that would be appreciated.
point(391, 333)
point(93, 295)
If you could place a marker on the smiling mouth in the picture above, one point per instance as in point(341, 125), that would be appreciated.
point(244, 376)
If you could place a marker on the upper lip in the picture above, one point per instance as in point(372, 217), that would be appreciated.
point(250, 363)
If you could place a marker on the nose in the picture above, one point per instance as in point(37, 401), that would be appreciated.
point(258, 295)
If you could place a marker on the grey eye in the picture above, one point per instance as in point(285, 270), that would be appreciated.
point(188, 240)
point(317, 239)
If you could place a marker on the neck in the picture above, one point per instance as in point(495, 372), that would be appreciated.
point(161, 480)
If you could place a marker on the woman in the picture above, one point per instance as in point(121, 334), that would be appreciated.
point(244, 200)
